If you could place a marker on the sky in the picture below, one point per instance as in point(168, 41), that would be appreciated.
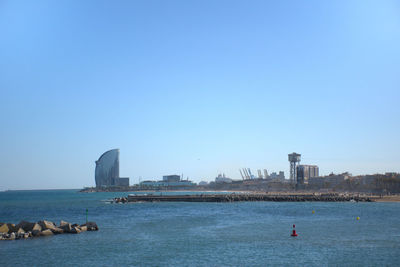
point(196, 88)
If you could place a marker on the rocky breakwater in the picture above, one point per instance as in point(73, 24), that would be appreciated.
point(24, 229)
point(120, 200)
point(245, 197)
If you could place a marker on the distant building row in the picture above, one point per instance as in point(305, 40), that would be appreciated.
point(107, 173)
point(168, 181)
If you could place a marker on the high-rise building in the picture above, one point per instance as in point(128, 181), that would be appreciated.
point(305, 172)
point(107, 170)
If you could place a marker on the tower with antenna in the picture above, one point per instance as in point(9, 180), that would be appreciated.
point(294, 158)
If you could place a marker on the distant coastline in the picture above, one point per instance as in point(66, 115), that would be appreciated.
point(377, 184)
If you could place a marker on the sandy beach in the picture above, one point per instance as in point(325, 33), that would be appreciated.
point(395, 198)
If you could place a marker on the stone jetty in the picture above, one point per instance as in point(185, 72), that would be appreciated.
point(244, 197)
point(24, 229)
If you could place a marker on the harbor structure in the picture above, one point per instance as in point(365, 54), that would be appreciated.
point(167, 181)
point(171, 178)
point(221, 178)
point(107, 170)
point(294, 158)
point(245, 173)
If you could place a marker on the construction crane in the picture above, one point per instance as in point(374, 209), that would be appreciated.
point(251, 175)
point(241, 174)
point(246, 173)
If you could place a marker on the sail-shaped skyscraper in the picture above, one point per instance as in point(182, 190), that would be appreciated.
point(107, 170)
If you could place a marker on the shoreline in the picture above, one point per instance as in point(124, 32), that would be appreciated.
point(391, 198)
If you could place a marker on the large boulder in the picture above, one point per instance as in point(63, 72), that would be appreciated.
point(46, 232)
point(75, 230)
point(29, 226)
point(67, 228)
point(36, 227)
point(12, 227)
point(4, 228)
point(19, 235)
point(8, 228)
point(12, 236)
point(62, 223)
point(91, 226)
point(57, 230)
point(36, 233)
point(47, 225)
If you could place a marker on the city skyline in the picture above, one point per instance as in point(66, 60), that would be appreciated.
point(198, 88)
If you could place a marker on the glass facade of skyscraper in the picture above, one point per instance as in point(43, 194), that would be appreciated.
point(107, 168)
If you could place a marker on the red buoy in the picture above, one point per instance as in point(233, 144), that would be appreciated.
point(294, 231)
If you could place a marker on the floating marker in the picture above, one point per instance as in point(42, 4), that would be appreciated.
point(313, 211)
point(294, 231)
point(358, 218)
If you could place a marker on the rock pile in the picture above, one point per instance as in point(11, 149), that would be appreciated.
point(121, 200)
point(24, 229)
point(245, 197)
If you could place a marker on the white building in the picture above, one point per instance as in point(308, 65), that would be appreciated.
point(222, 179)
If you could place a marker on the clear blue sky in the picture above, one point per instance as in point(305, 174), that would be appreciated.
point(196, 87)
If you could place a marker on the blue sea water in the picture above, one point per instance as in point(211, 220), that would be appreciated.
point(201, 234)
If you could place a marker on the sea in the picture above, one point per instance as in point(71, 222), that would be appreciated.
point(201, 234)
